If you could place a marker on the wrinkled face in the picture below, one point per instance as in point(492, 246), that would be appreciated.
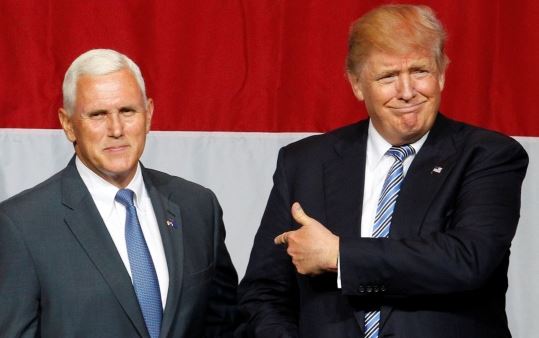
point(401, 93)
point(109, 125)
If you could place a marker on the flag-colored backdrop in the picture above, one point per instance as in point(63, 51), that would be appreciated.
point(233, 80)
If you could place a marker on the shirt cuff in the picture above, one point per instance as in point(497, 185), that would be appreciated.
point(339, 286)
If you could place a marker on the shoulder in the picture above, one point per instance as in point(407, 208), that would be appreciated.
point(480, 139)
point(40, 196)
point(177, 188)
point(328, 144)
point(194, 204)
point(479, 145)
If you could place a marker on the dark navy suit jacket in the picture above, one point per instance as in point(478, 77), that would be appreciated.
point(442, 273)
point(61, 275)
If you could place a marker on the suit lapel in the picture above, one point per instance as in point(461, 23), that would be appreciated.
point(86, 224)
point(343, 183)
point(343, 186)
point(169, 220)
point(422, 183)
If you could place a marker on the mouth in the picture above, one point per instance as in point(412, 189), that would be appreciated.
point(406, 109)
point(116, 149)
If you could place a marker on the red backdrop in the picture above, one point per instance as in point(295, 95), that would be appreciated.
point(260, 65)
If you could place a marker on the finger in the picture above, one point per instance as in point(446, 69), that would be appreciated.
point(281, 239)
point(299, 215)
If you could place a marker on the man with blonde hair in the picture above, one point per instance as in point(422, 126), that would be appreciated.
point(396, 226)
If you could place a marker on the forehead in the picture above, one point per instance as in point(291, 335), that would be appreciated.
point(119, 85)
point(378, 61)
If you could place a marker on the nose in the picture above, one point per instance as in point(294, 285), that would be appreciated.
point(115, 124)
point(406, 87)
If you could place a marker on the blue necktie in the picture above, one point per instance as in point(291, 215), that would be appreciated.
point(142, 268)
point(384, 212)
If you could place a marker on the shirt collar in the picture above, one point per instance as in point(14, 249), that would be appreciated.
point(377, 146)
point(103, 192)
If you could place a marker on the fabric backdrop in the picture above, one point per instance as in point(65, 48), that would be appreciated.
point(234, 80)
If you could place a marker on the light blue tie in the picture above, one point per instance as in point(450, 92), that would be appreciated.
point(142, 268)
point(384, 212)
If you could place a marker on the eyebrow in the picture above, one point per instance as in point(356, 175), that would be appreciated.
point(385, 73)
point(127, 109)
point(105, 111)
point(419, 65)
point(412, 66)
point(97, 111)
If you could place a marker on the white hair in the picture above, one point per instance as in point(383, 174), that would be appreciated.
point(97, 62)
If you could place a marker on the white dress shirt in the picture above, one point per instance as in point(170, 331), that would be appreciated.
point(377, 165)
point(113, 214)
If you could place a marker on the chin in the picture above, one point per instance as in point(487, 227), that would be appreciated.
point(407, 135)
point(119, 169)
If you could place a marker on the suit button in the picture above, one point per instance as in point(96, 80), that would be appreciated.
point(383, 288)
point(361, 289)
point(376, 288)
point(369, 288)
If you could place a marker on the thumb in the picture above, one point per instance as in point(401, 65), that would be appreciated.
point(299, 215)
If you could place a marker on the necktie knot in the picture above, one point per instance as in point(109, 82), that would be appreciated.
point(401, 152)
point(125, 197)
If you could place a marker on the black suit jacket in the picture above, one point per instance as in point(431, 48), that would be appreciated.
point(61, 275)
point(441, 273)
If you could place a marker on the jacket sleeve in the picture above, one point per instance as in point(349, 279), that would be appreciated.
point(464, 241)
point(268, 292)
point(221, 317)
point(19, 285)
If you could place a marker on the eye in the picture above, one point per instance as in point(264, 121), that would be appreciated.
point(127, 112)
point(97, 115)
point(386, 78)
point(420, 72)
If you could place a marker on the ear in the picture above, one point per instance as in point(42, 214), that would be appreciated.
point(441, 81)
point(67, 125)
point(356, 88)
point(149, 114)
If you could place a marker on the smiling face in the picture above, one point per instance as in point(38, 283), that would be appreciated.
point(401, 93)
point(109, 124)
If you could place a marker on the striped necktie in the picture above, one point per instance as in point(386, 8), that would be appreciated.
point(142, 269)
point(384, 212)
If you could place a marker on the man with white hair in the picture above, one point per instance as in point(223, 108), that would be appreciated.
point(107, 247)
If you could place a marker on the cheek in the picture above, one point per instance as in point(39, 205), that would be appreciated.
point(139, 128)
point(90, 137)
point(381, 92)
point(429, 88)
point(139, 124)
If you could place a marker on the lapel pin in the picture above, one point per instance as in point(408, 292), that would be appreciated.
point(171, 223)
point(437, 170)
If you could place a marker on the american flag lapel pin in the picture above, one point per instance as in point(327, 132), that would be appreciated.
point(437, 170)
point(171, 224)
